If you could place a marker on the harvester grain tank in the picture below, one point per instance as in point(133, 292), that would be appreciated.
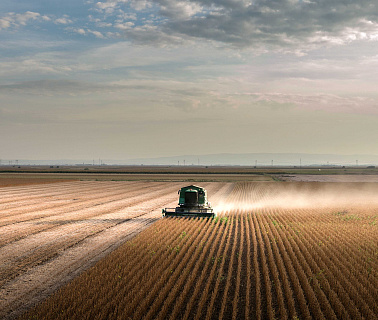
point(192, 203)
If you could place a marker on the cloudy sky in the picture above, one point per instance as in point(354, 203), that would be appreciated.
point(122, 79)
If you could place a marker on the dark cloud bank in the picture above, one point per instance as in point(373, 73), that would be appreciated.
point(267, 24)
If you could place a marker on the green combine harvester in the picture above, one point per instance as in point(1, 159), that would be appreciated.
point(192, 203)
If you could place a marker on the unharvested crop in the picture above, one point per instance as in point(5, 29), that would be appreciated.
point(266, 261)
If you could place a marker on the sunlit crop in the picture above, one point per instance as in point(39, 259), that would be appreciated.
point(265, 262)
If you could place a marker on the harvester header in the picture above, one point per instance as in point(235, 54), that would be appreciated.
point(192, 203)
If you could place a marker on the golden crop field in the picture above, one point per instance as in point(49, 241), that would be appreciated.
point(275, 251)
point(50, 233)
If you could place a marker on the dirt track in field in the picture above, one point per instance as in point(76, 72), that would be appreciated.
point(51, 233)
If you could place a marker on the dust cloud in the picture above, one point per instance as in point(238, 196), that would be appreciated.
point(291, 195)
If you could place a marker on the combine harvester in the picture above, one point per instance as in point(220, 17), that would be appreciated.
point(192, 203)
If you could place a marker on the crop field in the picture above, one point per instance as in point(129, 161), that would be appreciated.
point(50, 233)
point(276, 251)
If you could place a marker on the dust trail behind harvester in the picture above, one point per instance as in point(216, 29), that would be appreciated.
point(291, 195)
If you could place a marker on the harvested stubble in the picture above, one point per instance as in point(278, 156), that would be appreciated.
point(306, 263)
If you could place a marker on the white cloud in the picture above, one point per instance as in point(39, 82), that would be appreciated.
point(179, 9)
point(113, 35)
point(97, 34)
point(15, 20)
point(107, 7)
point(124, 26)
point(104, 24)
point(81, 31)
point(112, 6)
point(86, 31)
point(63, 20)
point(5, 23)
point(122, 16)
point(141, 4)
point(91, 18)
point(23, 18)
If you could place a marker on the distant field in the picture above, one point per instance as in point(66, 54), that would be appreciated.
point(277, 250)
point(237, 170)
point(25, 178)
point(25, 175)
point(329, 178)
point(20, 179)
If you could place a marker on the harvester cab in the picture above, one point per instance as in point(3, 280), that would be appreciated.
point(192, 203)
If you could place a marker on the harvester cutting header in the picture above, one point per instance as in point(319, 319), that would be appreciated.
point(192, 203)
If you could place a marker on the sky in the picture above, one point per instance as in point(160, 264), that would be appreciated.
point(120, 79)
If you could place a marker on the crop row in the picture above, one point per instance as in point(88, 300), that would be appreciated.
point(266, 263)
